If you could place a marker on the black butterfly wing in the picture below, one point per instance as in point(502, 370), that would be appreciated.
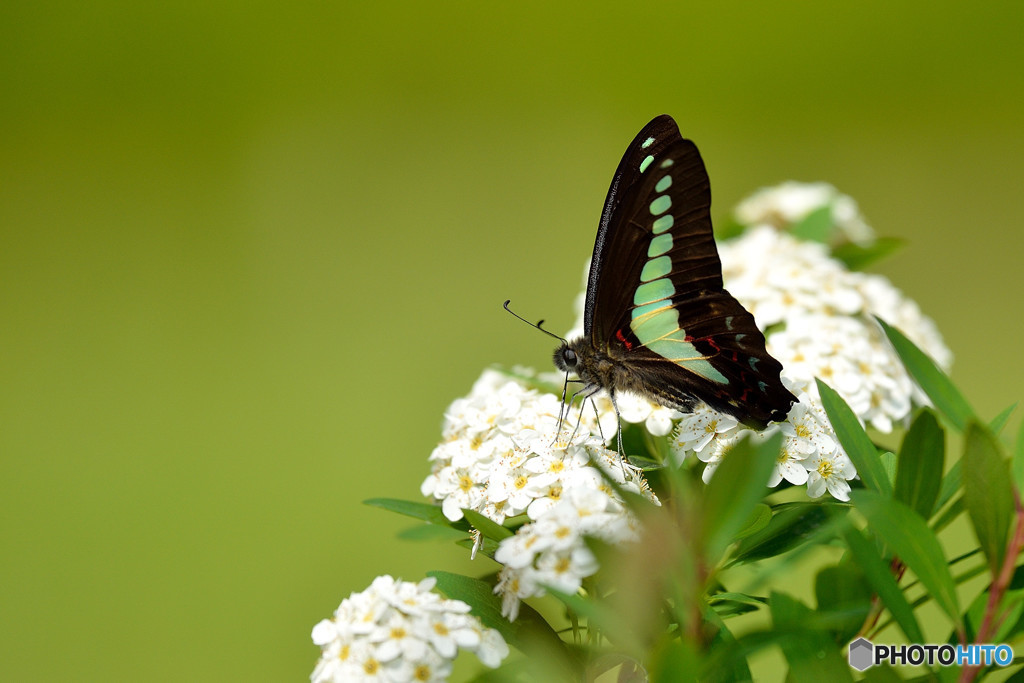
point(655, 300)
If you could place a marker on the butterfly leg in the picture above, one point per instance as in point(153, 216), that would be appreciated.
point(583, 406)
point(619, 422)
point(597, 418)
point(563, 409)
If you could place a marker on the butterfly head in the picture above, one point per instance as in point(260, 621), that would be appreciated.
point(565, 358)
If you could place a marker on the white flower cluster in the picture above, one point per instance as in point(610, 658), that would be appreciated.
point(551, 551)
point(490, 460)
point(788, 203)
point(505, 454)
point(818, 320)
point(397, 631)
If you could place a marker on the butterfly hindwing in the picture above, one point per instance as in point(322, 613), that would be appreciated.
point(655, 299)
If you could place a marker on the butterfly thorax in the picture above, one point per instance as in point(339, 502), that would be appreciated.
point(603, 369)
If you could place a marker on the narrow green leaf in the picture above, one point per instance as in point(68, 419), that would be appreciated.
point(675, 661)
point(876, 571)
point(486, 526)
point(988, 493)
point(479, 595)
point(730, 498)
point(1018, 462)
point(932, 380)
point(922, 459)
point(813, 656)
point(731, 604)
point(738, 669)
point(889, 464)
point(791, 524)
point(999, 421)
point(815, 226)
point(759, 519)
point(843, 592)
point(855, 440)
point(601, 616)
point(909, 537)
point(858, 257)
point(424, 511)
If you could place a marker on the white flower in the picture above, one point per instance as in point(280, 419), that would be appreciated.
point(400, 631)
point(789, 465)
point(830, 472)
point(551, 550)
point(696, 430)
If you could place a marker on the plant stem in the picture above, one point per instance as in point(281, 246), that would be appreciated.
point(991, 621)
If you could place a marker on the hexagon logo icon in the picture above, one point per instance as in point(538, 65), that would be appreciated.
point(862, 654)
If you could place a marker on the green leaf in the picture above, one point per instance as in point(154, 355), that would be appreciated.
point(999, 421)
point(424, 511)
point(486, 526)
point(791, 525)
point(730, 498)
point(529, 628)
point(858, 257)
point(876, 571)
point(675, 661)
point(932, 380)
point(759, 518)
point(889, 464)
point(855, 440)
point(909, 537)
point(731, 604)
point(988, 493)
point(922, 459)
point(737, 668)
point(842, 591)
point(813, 656)
point(1018, 463)
point(600, 616)
point(815, 226)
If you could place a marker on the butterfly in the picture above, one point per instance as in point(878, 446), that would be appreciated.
point(658, 321)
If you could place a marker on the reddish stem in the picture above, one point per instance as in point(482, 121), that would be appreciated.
point(991, 621)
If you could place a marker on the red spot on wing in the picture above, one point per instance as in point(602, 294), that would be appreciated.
point(622, 338)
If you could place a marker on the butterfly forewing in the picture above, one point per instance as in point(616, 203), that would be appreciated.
point(655, 300)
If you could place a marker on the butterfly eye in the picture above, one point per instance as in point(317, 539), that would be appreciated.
point(569, 356)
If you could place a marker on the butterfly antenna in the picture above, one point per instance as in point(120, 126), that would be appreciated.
point(539, 324)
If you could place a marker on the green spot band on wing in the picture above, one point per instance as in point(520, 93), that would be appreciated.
point(645, 163)
point(662, 224)
point(663, 184)
point(661, 205)
point(653, 291)
point(659, 245)
point(656, 268)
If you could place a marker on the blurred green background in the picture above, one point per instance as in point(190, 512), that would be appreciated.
point(252, 250)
